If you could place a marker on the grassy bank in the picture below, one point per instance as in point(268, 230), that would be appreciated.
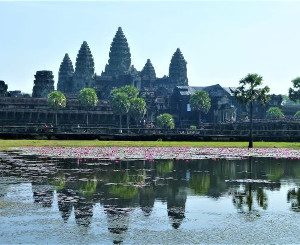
point(6, 144)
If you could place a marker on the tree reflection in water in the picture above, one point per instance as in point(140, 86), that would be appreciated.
point(254, 184)
point(293, 197)
point(89, 188)
point(200, 183)
point(243, 200)
point(122, 187)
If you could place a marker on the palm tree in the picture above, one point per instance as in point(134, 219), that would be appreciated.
point(249, 92)
point(294, 92)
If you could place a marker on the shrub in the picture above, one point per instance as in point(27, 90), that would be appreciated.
point(297, 115)
point(165, 121)
point(275, 113)
point(193, 127)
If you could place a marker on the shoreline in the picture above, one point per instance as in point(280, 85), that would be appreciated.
point(8, 144)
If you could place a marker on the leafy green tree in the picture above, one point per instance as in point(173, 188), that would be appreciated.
point(250, 91)
point(120, 104)
point(88, 98)
point(287, 101)
point(297, 115)
point(294, 92)
point(193, 128)
point(137, 108)
point(137, 105)
point(274, 113)
point(57, 100)
point(200, 102)
point(130, 91)
point(165, 121)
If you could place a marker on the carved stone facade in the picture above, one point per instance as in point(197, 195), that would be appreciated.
point(223, 106)
point(119, 56)
point(84, 69)
point(65, 76)
point(148, 75)
point(43, 84)
point(119, 71)
point(23, 110)
point(104, 85)
point(178, 70)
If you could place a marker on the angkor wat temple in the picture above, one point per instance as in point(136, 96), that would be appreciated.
point(169, 93)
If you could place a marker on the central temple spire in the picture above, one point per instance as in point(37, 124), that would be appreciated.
point(177, 69)
point(119, 56)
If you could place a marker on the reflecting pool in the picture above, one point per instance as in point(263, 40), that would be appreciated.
point(75, 201)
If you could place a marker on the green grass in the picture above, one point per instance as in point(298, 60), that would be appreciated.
point(6, 144)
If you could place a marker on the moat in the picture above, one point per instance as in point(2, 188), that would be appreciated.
point(53, 200)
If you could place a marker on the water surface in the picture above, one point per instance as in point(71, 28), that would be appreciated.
point(75, 201)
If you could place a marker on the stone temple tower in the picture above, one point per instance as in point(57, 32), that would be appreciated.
point(148, 75)
point(43, 84)
point(65, 75)
point(177, 70)
point(3, 89)
point(119, 56)
point(84, 69)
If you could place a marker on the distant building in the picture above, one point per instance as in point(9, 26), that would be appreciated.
point(170, 93)
point(223, 105)
point(3, 89)
point(43, 84)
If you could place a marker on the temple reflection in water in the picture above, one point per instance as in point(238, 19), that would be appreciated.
point(121, 188)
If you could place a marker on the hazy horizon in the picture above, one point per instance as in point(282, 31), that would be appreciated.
point(221, 41)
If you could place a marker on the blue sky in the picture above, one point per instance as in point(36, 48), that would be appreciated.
point(222, 41)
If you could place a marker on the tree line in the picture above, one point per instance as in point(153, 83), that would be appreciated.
point(125, 101)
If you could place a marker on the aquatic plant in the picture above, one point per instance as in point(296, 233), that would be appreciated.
point(151, 153)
